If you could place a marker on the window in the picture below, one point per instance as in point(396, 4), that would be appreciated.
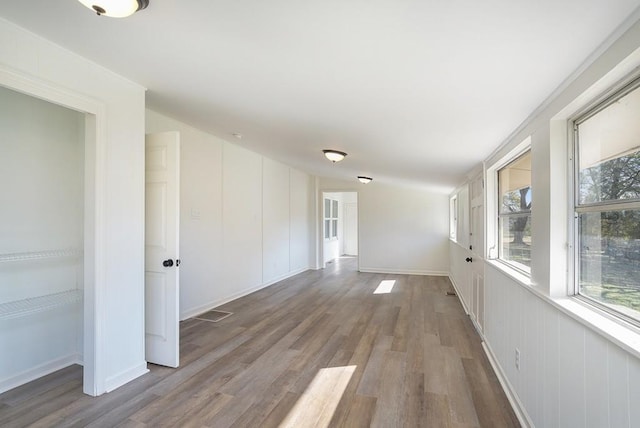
point(607, 203)
point(514, 213)
point(330, 219)
point(453, 217)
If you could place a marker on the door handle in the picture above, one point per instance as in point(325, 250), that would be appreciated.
point(167, 263)
point(468, 260)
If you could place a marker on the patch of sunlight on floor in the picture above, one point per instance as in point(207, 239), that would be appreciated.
point(385, 286)
point(318, 402)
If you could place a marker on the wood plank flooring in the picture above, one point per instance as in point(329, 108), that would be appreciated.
point(409, 358)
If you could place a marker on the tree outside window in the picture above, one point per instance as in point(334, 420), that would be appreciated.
point(608, 204)
point(514, 188)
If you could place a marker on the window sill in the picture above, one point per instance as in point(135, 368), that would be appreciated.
point(514, 274)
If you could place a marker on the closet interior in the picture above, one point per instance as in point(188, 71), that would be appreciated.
point(42, 163)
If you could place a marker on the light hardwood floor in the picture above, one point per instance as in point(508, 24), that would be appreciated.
point(418, 363)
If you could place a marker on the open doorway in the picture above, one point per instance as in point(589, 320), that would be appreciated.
point(45, 253)
point(339, 225)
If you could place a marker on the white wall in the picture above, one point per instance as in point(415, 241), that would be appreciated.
point(120, 207)
point(572, 374)
point(244, 219)
point(276, 226)
point(401, 230)
point(301, 220)
point(349, 241)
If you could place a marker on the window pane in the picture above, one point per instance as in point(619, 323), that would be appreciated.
point(514, 223)
point(335, 209)
point(514, 185)
point(327, 229)
point(609, 253)
point(327, 208)
point(608, 150)
point(334, 228)
point(515, 239)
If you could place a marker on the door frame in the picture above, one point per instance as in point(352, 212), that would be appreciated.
point(320, 264)
point(94, 206)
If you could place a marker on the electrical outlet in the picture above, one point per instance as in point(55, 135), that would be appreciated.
point(517, 359)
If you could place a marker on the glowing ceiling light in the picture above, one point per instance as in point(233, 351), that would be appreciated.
point(115, 8)
point(334, 155)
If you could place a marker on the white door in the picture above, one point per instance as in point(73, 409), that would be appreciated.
point(476, 248)
point(351, 229)
point(162, 199)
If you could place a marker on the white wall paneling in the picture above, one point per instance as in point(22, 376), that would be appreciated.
point(244, 219)
point(276, 198)
point(575, 370)
point(300, 218)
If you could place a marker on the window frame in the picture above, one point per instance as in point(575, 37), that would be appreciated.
point(330, 232)
point(453, 218)
point(492, 222)
point(521, 267)
point(576, 208)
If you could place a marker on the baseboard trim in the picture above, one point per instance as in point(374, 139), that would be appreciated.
point(403, 271)
point(125, 377)
point(38, 372)
point(283, 277)
point(516, 404)
point(190, 313)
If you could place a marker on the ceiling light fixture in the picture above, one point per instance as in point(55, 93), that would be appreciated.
point(334, 155)
point(365, 180)
point(115, 8)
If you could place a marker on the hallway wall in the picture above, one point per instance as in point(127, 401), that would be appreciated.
point(244, 218)
point(576, 368)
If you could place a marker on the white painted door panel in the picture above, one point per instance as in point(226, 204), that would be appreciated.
point(476, 247)
point(161, 248)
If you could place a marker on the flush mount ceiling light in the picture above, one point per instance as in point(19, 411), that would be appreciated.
point(334, 155)
point(115, 8)
point(364, 179)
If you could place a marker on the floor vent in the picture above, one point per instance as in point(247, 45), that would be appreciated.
point(451, 293)
point(213, 316)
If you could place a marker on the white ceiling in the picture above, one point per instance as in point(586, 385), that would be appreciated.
point(415, 91)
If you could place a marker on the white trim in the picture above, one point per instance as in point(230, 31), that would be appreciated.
point(39, 371)
point(190, 313)
point(94, 287)
point(404, 271)
point(126, 376)
point(285, 276)
point(491, 249)
point(320, 263)
point(512, 273)
point(517, 406)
